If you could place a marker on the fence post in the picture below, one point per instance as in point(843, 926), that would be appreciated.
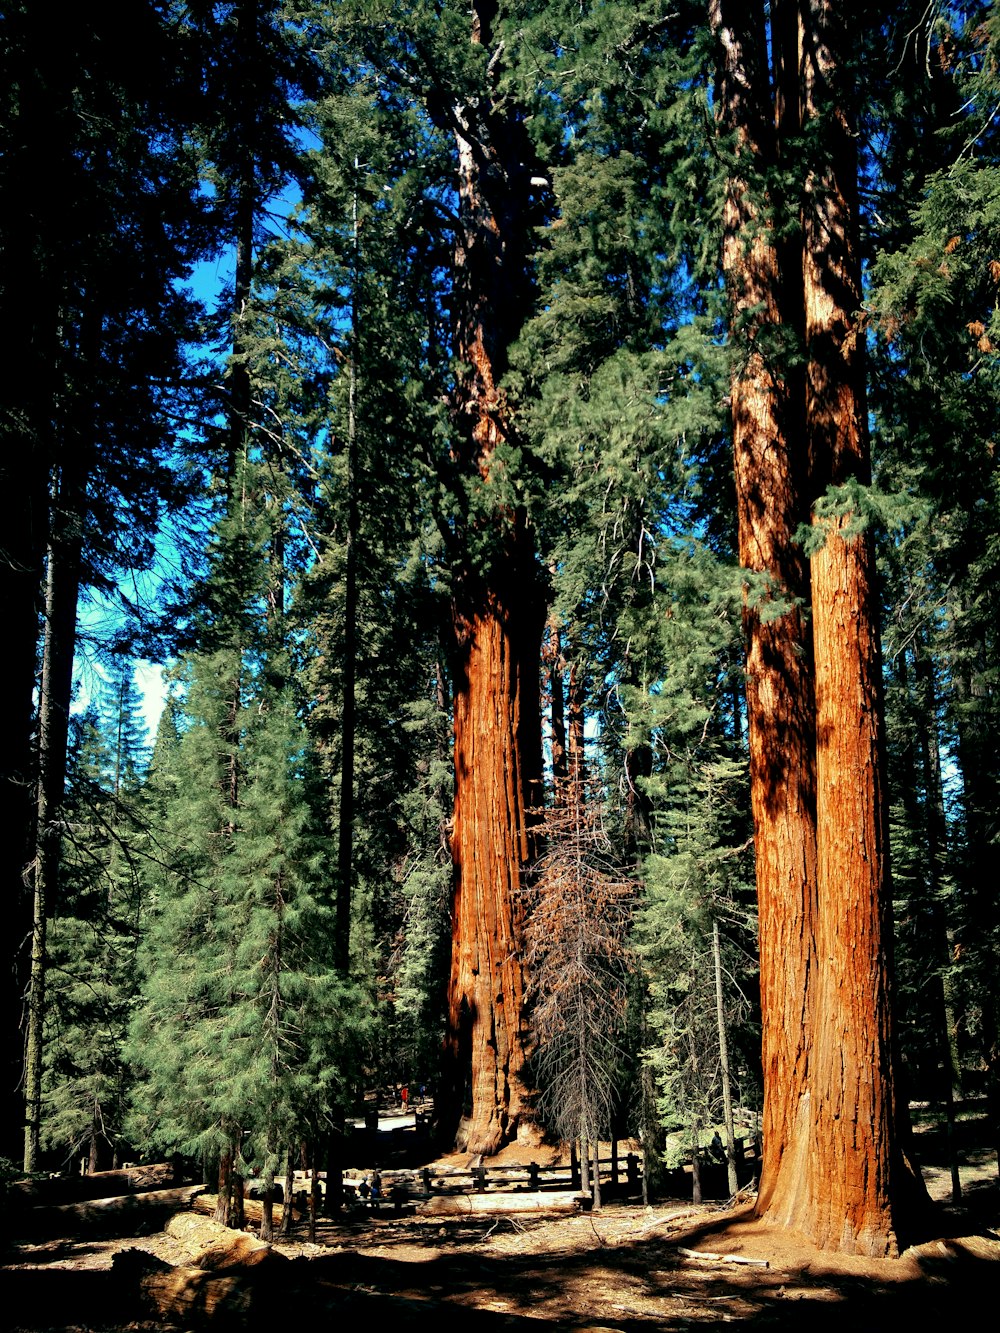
point(632, 1162)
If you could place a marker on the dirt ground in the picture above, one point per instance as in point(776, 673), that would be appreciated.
point(623, 1268)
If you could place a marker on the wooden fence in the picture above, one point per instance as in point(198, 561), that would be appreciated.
point(621, 1177)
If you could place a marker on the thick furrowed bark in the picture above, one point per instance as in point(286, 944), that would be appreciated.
point(833, 1166)
point(866, 1182)
point(490, 846)
point(498, 619)
point(769, 465)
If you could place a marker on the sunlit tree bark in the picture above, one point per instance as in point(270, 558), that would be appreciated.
point(498, 620)
point(833, 1164)
point(771, 485)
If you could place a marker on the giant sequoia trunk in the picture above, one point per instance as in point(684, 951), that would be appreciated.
point(498, 619)
point(858, 1200)
point(771, 483)
point(833, 1167)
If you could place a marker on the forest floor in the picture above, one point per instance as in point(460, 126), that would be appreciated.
point(625, 1268)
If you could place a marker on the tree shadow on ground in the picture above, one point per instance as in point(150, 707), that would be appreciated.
point(638, 1284)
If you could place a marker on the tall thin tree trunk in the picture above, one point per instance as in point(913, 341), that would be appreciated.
point(289, 1194)
point(727, 1094)
point(224, 1196)
point(30, 297)
point(93, 1159)
point(696, 1190)
point(557, 703)
point(267, 1194)
point(577, 722)
point(348, 715)
point(61, 594)
point(238, 1210)
point(940, 944)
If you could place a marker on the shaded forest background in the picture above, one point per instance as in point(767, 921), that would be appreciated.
point(469, 360)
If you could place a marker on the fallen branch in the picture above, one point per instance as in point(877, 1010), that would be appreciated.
point(671, 1217)
point(706, 1256)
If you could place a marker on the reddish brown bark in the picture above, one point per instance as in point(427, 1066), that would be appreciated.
point(490, 844)
point(770, 485)
point(833, 1165)
point(577, 691)
point(498, 618)
point(557, 702)
point(860, 1202)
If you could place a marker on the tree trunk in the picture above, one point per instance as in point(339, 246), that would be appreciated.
point(314, 1196)
point(727, 1096)
point(833, 1166)
point(237, 1218)
point(92, 1155)
point(495, 712)
point(857, 1202)
point(540, 1201)
point(36, 255)
point(267, 1212)
point(933, 937)
point(770, 483)
point(127, 1215)
point(498, 620)
point(696, 1194)
point(287, 1207)
point(577, 693)
point(61, 593)
point(557, 702)
point(348, 716)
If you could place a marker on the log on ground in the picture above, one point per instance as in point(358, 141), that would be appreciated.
point(217, 1248)
point(98, 1185)
point(253, 1209)
point(462, 1205)
point(124, 1215)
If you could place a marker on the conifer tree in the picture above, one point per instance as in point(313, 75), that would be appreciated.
point(933, 293)
point(94, 936)
point(92, 263)
point(493, 577)
point(579, 962)
point(839, 1171)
